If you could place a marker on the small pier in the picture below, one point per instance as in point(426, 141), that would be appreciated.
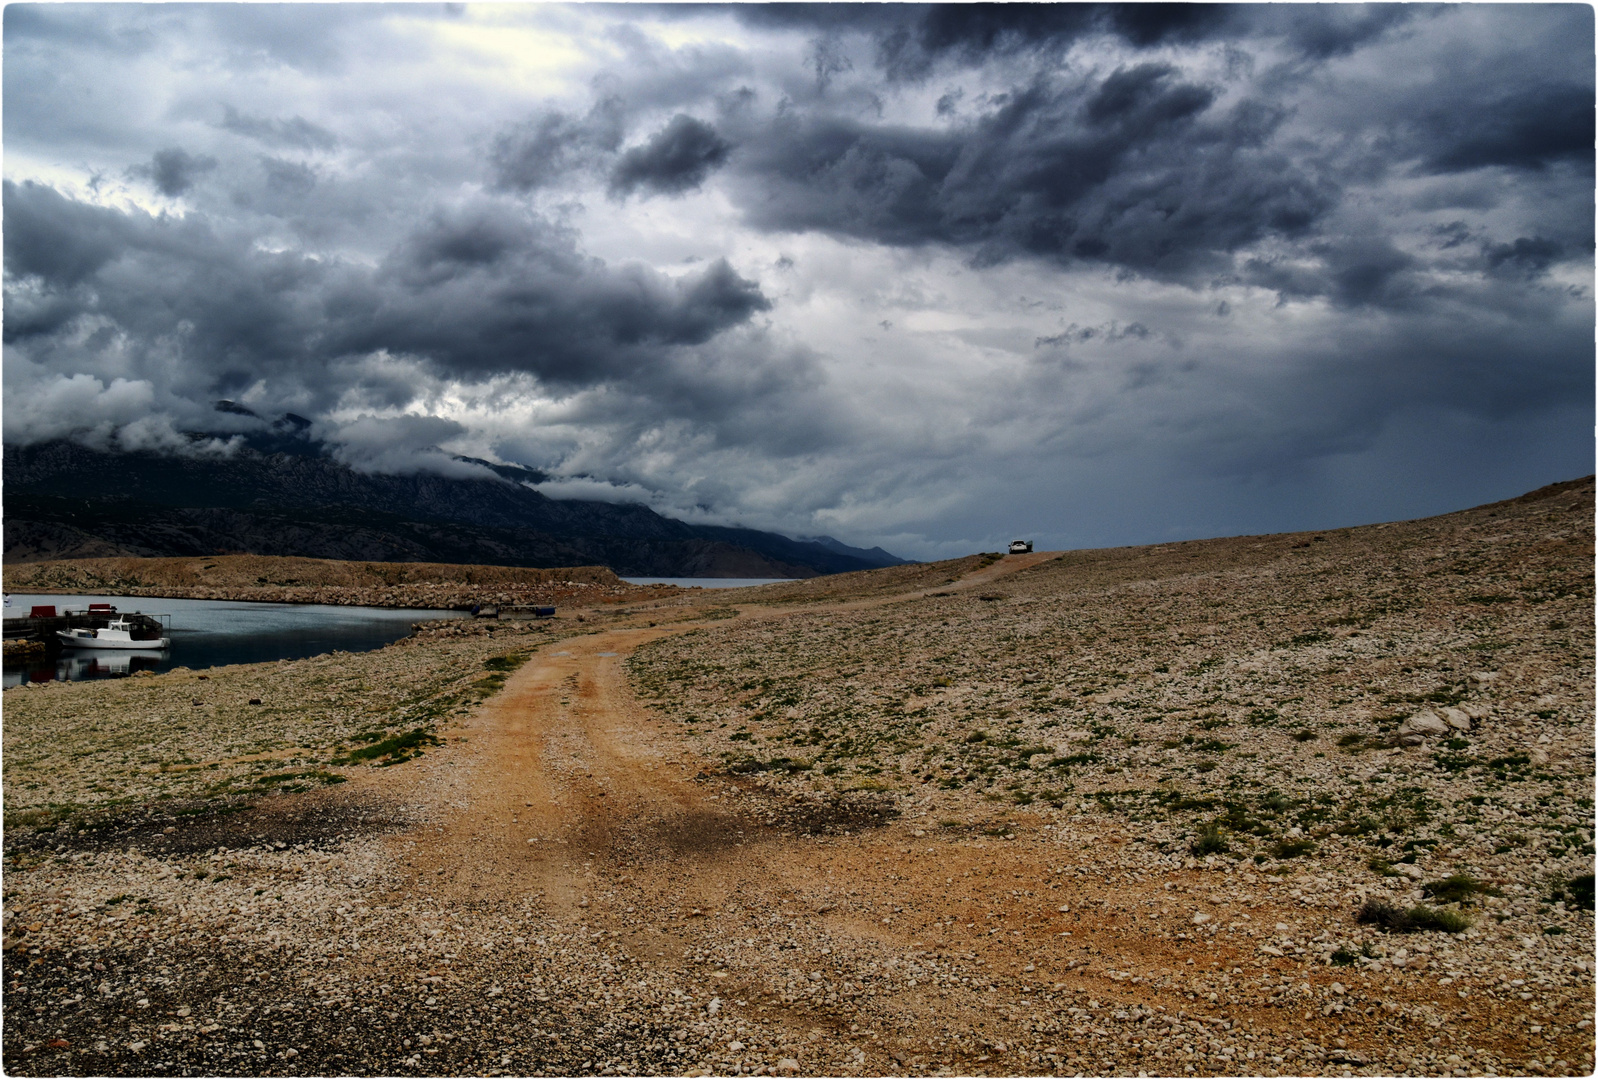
point(42, 622)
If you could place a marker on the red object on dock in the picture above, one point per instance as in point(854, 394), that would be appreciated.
point(101, 607)
point(42, 611)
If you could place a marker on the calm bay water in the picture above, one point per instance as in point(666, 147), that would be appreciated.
point(706, 582)
point(211, 633)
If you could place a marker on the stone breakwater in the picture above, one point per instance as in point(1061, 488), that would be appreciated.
point(437, 595)
point(270, 579)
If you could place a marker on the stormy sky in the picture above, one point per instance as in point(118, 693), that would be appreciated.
point(925, 277)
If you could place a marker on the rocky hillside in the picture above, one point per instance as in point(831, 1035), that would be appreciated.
point(68, 501)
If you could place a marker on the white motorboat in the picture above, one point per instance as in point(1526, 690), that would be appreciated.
point(117, 634)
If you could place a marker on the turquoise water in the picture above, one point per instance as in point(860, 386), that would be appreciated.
point(212, 633)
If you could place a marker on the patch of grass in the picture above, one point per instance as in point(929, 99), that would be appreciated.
point(1360, 826)
point(1343, 958)
point(1398, 920)
point(1454, 762)
point(1291, 849)
point(776, 764)
point(395, 748)
point(1305, 736)
point(36, 817)
point(1440, 920)
point(1457, 889)
point(298, 780)
point(1513, 761)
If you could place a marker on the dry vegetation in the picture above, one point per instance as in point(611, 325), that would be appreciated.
point(1313, 804)
point(78, 752)
point(1252, 688)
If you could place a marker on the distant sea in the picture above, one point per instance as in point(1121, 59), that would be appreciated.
point(706, 582)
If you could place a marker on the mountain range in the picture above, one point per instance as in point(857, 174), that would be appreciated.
point(279, 493)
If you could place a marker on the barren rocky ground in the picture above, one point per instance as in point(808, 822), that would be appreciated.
point(1106, 812)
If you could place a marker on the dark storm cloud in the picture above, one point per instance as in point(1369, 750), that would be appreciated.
point(1528, 256)
point(541, 150)
point(677, 158)
point(56, 239)
point(1525, 128)
point(493, 291)
point(1136, 170)
point(470, 294)
point(296, 132)
point(174, 171)
point(911, 40)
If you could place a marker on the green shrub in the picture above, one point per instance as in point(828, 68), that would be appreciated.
point(1211, 841)
point(1458, 888)
point(1305, 736)
point(1380, 913)
point(1361, 826)
point(1291, 849)
point(1399, 920)
point(1439, 919)
point(1576, 893)
point(1581, 891)
point(1342, 957)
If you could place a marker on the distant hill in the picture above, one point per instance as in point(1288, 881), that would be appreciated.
point(282, 496)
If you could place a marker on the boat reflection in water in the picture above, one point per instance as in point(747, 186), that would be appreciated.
point(75, 664)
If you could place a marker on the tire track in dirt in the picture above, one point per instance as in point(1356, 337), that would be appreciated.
point(564, 790)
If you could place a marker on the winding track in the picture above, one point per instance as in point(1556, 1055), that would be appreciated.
point(565, 790)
